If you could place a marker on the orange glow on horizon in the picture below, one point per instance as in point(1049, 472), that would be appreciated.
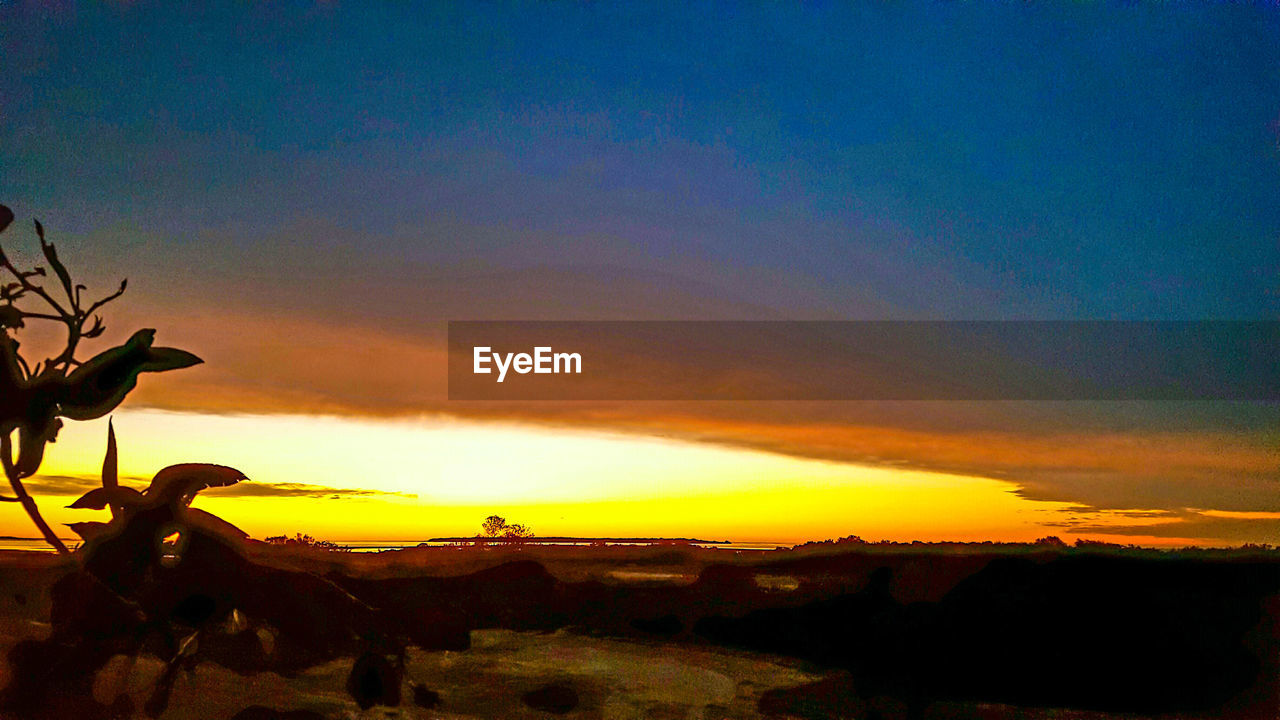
point(412, 480)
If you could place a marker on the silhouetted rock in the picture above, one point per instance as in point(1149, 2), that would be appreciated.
point(374, 680)
point(1115, 634)
point(1140, 634)
point(438, 613)
point(826, 699)
point(556, 698)
point(1107, 633)
point(839, 631)
point(425, 698)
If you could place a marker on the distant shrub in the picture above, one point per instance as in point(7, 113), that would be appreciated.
point(1096, 544)
point(304, 540)
point(846, 540)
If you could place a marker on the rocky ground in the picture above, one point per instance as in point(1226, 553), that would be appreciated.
point(673, 636)
point(515, 675)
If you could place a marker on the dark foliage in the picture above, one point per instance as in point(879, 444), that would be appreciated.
point(199, 599)
point(36, 396)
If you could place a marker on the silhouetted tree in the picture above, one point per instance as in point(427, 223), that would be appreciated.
point(493, 525)
point(516, 532)
point(35, 397)
point(496, 526)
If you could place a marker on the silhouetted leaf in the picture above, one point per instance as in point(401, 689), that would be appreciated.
point(110, 471)
point(100, 498)
point(31, 447)
point(61, 270)
point(177, 482)
point(209, 522)
point(95, 330)
point(87, 530)
point(10, 317)
point(164, 358)
point(51, 254)
point(6, 217)
point(110, 474)
point(102, 382)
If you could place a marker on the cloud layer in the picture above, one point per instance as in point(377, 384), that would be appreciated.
point(72, 485)
point(1167, 457)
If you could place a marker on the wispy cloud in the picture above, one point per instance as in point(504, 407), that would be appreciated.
point(287, 489)
point(73, 485)
point(1208, 524)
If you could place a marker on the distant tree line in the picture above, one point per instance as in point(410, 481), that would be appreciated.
point(304, 540)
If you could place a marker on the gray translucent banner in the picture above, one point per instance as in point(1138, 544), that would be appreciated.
point(741, 360)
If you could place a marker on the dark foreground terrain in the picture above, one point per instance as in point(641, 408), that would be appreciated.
point(863, 632)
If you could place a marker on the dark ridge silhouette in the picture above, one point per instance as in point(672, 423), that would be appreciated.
point(499, 539)
point(1100, 632)
point(926, 575)
point(1089, 632)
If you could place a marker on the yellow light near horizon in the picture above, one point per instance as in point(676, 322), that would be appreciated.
point(442, 476)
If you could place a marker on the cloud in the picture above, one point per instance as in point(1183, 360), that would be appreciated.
point(1103, 456)
point(287, 489)
point(61, 485)
point(1189, 524)
point(72, 485)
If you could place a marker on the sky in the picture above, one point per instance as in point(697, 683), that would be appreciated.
point(304, 193)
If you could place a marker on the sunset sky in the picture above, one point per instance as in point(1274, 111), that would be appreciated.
point(304, 193)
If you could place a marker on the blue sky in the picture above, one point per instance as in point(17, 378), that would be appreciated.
point(948, 160)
